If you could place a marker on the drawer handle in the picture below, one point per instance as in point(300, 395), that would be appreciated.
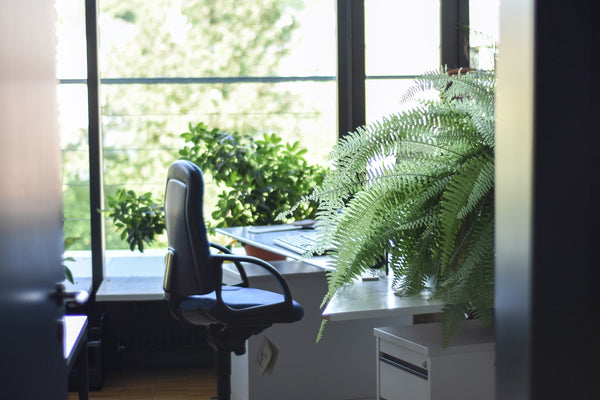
point(404, 365)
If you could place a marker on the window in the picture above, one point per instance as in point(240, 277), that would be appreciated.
point(258, 67)
point(254, 67)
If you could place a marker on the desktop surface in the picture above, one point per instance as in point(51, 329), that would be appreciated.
point(265, 237)
point(376, 299)
point(360, 300)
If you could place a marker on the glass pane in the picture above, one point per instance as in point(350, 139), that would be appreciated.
point(275, 41)
point(384, 97)
point(401, 37)
point(177, 38)
point(484, 20)
point(402, 40)
point(71, 47)
point(72, 106)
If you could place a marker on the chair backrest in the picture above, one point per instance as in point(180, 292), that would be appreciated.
point(187, 269)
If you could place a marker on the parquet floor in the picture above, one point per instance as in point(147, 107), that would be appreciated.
point(157, 384)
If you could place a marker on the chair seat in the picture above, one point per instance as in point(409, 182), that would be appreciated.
point(240, 298)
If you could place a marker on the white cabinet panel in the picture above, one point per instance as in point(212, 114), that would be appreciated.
point(412, 364)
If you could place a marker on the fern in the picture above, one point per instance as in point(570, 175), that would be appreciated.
point(419, 186)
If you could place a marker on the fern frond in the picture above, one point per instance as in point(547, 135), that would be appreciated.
point(419, 186)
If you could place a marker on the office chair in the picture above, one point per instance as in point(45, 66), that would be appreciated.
point(193, 278)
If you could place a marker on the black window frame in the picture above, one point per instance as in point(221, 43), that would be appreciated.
point(454, 14)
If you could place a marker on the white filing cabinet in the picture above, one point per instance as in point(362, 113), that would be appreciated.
point(413, 365)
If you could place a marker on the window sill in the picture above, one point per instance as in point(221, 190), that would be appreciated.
point(135, 276)
point(131, 288)
point(129, 275)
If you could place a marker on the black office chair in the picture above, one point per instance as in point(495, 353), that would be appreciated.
point(193, 278)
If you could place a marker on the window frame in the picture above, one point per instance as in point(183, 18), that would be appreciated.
point(350, 90)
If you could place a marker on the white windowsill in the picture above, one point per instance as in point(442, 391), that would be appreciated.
point(128, 275)
point(135, 276)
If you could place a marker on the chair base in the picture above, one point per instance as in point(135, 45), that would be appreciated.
point(225, 340)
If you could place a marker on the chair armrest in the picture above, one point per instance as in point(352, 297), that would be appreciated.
point(238, 264)
point(217, 263)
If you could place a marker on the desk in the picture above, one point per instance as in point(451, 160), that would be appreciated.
point(266, 241)
point(375, 299)
point(75, 349)
point(339, 367)
point(360, 300)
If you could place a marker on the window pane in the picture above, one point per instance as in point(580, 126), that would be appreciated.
point(72, 107)
point(401, 37)
point(254, 67)
point(71, 47)
point(484, 20)
point(383, 97)
point(402, 40)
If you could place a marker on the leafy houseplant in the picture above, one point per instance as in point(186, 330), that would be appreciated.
point(140, 218)
point(419, 186)
point(260, 177)
point(68, 243)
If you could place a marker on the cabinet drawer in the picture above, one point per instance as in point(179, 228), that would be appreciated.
point(404, 354)
point(397, 384)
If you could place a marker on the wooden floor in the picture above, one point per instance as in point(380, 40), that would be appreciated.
point(153, 384)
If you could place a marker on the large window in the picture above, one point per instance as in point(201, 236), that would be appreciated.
point(265, 66)
point(257, 67)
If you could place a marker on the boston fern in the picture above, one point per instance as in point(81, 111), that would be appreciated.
point(419, 186)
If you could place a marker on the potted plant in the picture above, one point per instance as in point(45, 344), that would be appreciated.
point(260, 178)
point(419, 186)
point(139, 218)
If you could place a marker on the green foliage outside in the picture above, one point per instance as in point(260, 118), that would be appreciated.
point(419, 186)
point(259, 178)
point(139, 218)
point(141, 122)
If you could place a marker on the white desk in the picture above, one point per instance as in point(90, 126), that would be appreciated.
point(375, 299)
point(360, 300)
point(341, 366)
point(75, 349)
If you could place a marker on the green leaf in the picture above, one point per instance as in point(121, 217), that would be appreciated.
point(69, 275)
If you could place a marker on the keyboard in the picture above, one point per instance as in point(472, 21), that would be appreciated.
point(297, 243)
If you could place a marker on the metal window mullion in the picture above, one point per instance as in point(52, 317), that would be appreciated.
point(351, 65)
point(95, 144)
point(225, 80)
point(454, 34)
